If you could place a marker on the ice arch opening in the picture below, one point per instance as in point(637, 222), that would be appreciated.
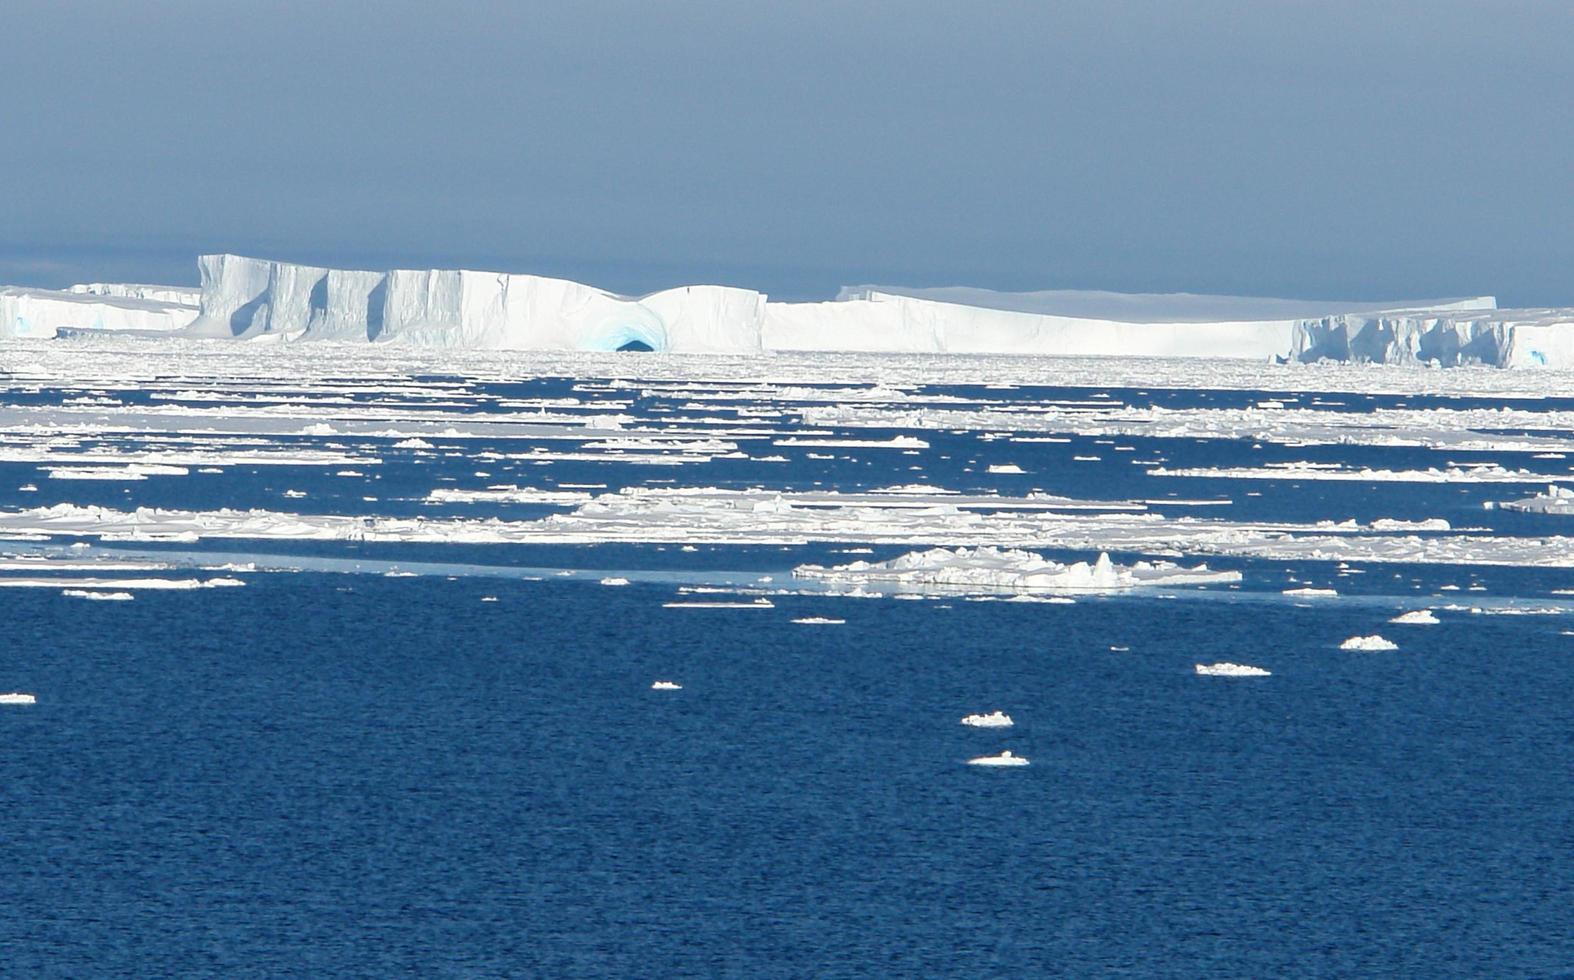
point(623, 334)
point(636, 347)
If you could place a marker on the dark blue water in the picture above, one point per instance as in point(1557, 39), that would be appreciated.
point(331, 773)
point(324, 774)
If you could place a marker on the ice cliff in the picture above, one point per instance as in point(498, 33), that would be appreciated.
point(249, 298)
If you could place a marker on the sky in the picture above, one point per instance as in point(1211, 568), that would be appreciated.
point(1325, 149)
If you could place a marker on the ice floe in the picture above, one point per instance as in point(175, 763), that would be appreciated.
point(17, 697)
point(994, 719)
point(1416, 617)
point(1227, 669)
point(1014, 570)
point(1373, 642)
point(1556, 500)
point(1003, 759)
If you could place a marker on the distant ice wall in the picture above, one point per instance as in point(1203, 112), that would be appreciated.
point(45, 312)
point(179, 295)
point(247, 298)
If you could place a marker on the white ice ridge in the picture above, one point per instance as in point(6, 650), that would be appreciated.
point(455, 308)
point(1019, 571)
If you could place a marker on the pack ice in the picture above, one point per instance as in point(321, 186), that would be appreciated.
point(250, 298)
point(1012, 569)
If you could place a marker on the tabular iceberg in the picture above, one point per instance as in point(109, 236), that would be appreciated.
point(250, 298)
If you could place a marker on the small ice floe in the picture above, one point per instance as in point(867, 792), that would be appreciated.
point(489, 598)
point(1373, 642)
point(756, 604)
point(995, 719)
point(102, 596)
point(666, 686)
point(614, 580)
point(413, 443)
point(1311, 593)
point(295, 494)
point(1227, 669)
point(1004, 468)
point(17, 697)
point(1003, 759)
point(818, 621)
point(1416, 617)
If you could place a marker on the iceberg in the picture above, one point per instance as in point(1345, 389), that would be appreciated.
point(666, 686)
point(16, 697)
point(47, 313)
point(262, 299)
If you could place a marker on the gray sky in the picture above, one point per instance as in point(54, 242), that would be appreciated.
point(1317, 149)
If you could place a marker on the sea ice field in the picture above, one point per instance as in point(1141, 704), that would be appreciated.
point(377, 659)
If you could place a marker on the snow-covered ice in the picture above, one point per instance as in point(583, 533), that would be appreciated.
point(1010, 569)
point(1005, 758)
point(1373, 642)
point(994, 719)
point(1227, 669)
point(1416, 617)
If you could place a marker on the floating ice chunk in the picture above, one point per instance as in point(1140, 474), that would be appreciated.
point(295, 494)
point(1025, 571)
point(666, 686)
point(1416, 617)
point(1003, 759)
point(1427, 524)
point(1227, 669)
point(614, 580)
point(756, 604)
point(101, 596)
point(1556, 500)
point(818, 621)
point(1312, 593)
point(1373, 642)
point(131, 471)
point(995, 719)
point(17, 697)
point(1004, 468)
point(413, 444)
